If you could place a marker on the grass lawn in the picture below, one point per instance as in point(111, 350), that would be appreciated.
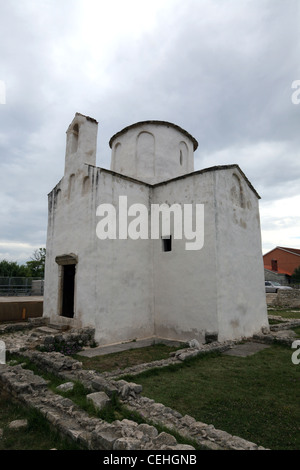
point(38, 435)
point(131, 357)
point(255, 397)
point(285, 312)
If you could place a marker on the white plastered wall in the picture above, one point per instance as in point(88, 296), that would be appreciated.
point(242, 309)
point(113, 282)
point(123, 271)
point(185, 281)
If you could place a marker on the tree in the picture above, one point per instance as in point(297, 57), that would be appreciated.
point(13, 269)
point(296, 276)
point(33, 268)
point(37, 263)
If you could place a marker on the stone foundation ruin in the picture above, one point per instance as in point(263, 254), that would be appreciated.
point(94, 433)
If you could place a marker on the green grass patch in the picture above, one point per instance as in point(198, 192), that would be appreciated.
point(111, 412)
point(285, 312)
point(38, 435)
point(128, 358)
point(114, 410)
point(274, 322)
point(77, 394)
point(254, 397)
point(297, 331)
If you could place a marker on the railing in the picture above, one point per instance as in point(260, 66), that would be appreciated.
point(21, 286)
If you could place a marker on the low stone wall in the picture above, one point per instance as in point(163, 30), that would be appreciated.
point(69, 342)
point(288, 298)
point(14, 327)
point(37, 334)
point(271, 299)
point(284, 298)
point(177, 357)
point(205, 435)
point(72, 422)
point(279, 333)
point(96, 434)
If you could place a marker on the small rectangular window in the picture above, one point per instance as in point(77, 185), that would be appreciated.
point(167, 243)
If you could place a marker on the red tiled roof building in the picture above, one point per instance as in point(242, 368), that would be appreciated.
point(282, 260)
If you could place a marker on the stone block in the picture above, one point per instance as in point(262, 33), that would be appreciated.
point(164, 439)
point(127, 443)
point(99, 399)
point(18, 424)
point(194, 344)
point(66, 387)
point(99, 383)
point(103, 437)
point(148, 430)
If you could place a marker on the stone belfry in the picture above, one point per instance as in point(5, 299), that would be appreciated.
point(81, 143)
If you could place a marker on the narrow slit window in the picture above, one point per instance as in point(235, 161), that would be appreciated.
point(167, 243)
point(75, 134)
point(180, 158)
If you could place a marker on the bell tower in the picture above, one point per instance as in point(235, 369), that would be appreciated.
point(81, 143)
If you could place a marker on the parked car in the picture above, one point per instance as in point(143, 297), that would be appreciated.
point(272, 286)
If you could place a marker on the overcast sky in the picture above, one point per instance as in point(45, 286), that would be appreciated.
point(221, 69)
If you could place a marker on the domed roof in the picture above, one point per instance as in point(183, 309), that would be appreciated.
point(159, 123)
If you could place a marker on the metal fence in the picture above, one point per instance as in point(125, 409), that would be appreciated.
point(17, 286)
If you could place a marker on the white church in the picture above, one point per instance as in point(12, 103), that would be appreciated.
point(129, 286)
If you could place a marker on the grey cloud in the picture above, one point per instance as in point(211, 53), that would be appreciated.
point(222, 70)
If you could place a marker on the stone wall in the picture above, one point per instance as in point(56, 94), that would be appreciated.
point(94, 433)
point(277, 277)
point(72, 422)
point(288, 298)
point(205, 435)
point(284, 298)
point(271, 299)
point(69, 342)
